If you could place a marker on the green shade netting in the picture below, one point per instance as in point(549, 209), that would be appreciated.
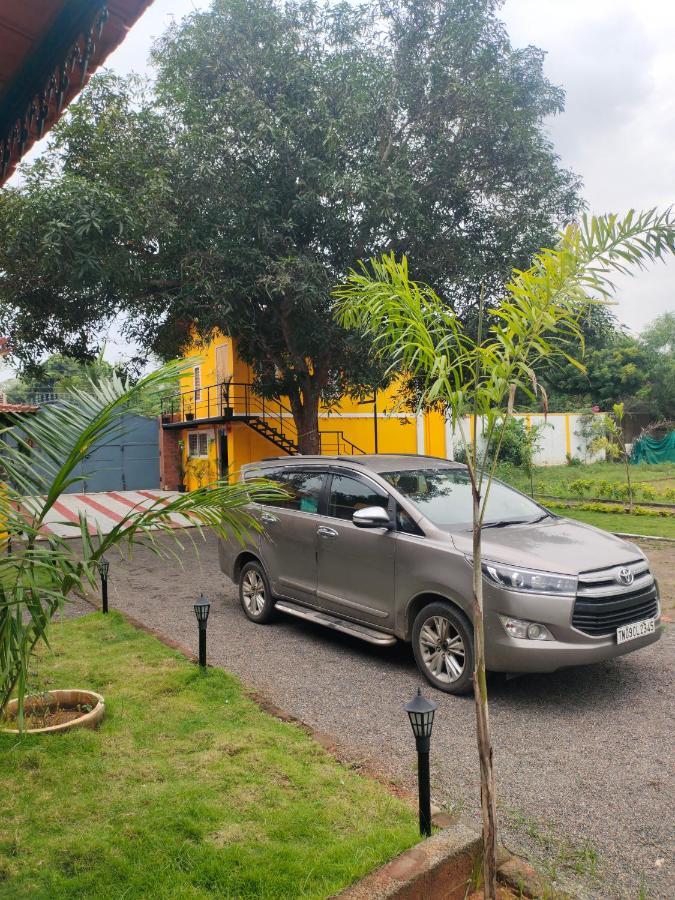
point(650, 450)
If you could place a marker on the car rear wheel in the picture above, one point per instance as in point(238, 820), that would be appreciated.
point(442, 642)
point(254, 593)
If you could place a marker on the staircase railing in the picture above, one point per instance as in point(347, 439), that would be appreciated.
point(236, 399)
point(334, 443)
point(228, 400)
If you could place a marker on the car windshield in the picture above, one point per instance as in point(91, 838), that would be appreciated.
point(443, 495)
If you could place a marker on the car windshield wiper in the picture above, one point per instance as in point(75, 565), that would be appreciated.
point(502, 523)
point(546, 515)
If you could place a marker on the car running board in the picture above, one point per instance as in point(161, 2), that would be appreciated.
point(322, 618)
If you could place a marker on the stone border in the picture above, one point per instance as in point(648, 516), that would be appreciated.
point(440, 868)
point(643, 537)
point(447, 866)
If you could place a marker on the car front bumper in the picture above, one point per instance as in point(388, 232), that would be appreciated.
point(570, 647)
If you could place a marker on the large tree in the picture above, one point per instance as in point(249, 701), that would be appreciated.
point(636, 372)
point(278, 144)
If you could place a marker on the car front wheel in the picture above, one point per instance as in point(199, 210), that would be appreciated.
point(442, 642)
point(254, 593)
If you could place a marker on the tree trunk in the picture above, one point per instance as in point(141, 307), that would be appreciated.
point(305, 410)
point(628, 481)
point(487, 784)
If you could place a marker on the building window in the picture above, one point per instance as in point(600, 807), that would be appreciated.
point(198, 444)
point(198, 383)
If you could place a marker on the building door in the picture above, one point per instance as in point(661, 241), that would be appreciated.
point(223, 371)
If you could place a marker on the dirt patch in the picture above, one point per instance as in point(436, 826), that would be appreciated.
point(661, 555)
point(49, 717)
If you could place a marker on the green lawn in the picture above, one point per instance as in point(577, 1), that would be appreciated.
point(647, 525)
point(188, 789)
point(556, 480)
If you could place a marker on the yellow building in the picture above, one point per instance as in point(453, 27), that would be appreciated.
point(218, 423)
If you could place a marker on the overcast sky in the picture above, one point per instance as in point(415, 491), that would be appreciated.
point(616, 61)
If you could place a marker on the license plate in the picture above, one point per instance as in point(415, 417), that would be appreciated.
point(634, 630)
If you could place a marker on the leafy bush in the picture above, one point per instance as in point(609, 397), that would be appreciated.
point(519, 444)
point(580, 487)
point(461, 453)
point(647, 492)
point(621, 492)
point(669, 494)
point(607, 508)
point(604, 489)
point(573, 460)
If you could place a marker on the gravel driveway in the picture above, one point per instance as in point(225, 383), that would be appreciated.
point(583, 757)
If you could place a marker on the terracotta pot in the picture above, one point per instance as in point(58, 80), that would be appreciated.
point(61, 700)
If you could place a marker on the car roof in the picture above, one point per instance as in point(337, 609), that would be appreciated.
point(375, 462)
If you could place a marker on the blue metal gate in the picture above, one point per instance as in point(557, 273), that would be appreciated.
point(128, 461)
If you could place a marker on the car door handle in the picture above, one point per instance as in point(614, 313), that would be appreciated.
point(324, 531)
point(268, 518)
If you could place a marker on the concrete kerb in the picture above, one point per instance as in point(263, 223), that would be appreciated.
point(643, 537)
point(445, 865)
point(442, 866)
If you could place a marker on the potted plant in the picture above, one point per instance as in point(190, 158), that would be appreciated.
point(228, 410)
point(201, 470)
point(49, 712)
point(37, 574)
point(189, 414)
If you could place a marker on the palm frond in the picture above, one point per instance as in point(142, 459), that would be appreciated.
point(40, 461)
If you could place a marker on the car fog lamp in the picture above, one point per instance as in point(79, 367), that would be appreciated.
point(526, 631)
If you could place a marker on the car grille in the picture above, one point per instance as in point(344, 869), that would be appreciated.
point(604, 602)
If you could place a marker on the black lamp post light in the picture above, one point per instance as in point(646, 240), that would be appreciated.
point(202, 608)
point(421, 713)
point(103, 569)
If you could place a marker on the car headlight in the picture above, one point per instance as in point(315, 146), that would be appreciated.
point(529, 581)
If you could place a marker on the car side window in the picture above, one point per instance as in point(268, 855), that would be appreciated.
point(349, 494)
point(275, 475)
point(303, 486)
point(406, 523)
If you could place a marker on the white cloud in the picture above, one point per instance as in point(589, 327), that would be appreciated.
point(615, 60)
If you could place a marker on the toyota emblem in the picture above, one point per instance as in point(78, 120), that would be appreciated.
point(626, 576)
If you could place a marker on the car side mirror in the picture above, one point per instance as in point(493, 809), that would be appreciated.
point(371, 517)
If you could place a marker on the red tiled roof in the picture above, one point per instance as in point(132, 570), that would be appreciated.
point(17, 408)
point(48, 51)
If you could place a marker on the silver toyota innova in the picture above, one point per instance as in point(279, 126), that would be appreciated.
point(379, 547)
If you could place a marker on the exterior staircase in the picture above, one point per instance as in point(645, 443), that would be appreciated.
point(273, 435)
point(237, 402)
